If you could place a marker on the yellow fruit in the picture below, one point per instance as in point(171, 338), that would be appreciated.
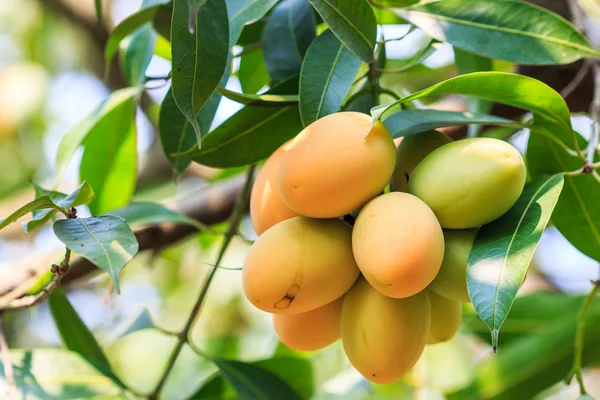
point(267, 208)
point(330, 169)
point(398, 244)
point(446, 316)
point(384, 337)
point(311, 330)
point(299, 265)
point(410, 152)
point(469, 182)
point(451, 281)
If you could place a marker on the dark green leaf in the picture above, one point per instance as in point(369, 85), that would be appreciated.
point(136, 52)
point(162, 21)
point(503, 249)
point(504, 29)
point(199, 58)
point(243, 12)
point(327, 75)
point(289, 31)
point(144, 214)
point(44, 374)
point(90, 125)
point(534, 363)
point(109, 162)
point(577, 215)
point(105, 241)
point(253, 73)
point(128, 26)
point(296, 372)
point(353, 22)
point(259, 100)
point(215, 388)
point(252, 382)
point(251, 134)
point(76, 336)
point(251, 33)
point(80, 196)
point(467, 63)
point(409, 122)
point(548, 107)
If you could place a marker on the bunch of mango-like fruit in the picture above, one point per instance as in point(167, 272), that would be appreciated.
point(389, 280)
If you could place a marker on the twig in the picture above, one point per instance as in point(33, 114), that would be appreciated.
point(577, 79)
point(59, 272)
point(595, 114)
point(9, 373)
point(389, 92)
point(183, 335)
point(579, 338)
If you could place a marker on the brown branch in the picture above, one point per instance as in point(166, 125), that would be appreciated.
point(9, 374)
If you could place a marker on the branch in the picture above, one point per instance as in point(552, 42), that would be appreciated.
point(183, 336)
point(208, 205)
point(579, 339)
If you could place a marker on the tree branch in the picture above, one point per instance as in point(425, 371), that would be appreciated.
point(208, 205)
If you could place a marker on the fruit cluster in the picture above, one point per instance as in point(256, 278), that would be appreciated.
point(394, 280)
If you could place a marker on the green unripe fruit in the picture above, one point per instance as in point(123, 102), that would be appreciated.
point(470, 182)
point(384, 337)
point(451, 280)
point(446, 316)
point(411, 151)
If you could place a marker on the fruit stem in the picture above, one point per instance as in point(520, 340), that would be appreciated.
point(183, 335)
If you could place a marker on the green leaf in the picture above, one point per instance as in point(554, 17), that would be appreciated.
point(503, 29)
point(76, 336)
point(534, 363)
point(327, 75)
point(93, 124)
point(245, 12)
point(106, 241)
point(109, 162)
point(37, 204)
point(548, 107)
point(43, 374)
point(136, 52)
point(175, 131)
point(128, 26)
point(394, 3)
point(80, 196)
point(145, 214)
point(467, 63)
point(251, 33)
point(253, 73)
point(259, 100)
point(252, 382)
point(98, 7)
point(409, 122)
point(577, 215)
point(250, 135)
point(289, 31)
point(199, 58)
point(353, 22)
point(295, 372)
point(503, 249)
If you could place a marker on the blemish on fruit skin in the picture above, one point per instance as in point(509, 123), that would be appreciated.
point(292, 292)
point(365, 341)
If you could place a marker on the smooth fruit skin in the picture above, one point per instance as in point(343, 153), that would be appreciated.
point(470, 182)
point(267, 208)
point(446, 316)
point(311, 330)
point(411, 151)
point(331, 169)
point(398, 244)
point(451, 281)
point(384, 337)
point(299, 265)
